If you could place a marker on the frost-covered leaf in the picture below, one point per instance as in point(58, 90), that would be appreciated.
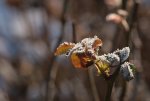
point(97, 42)
point(92, 42)
point(127, 71)
point(64, 48)
point(85, 52)
point(113, 59)
point(123, 53)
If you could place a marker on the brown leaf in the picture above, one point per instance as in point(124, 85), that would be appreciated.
point(76, 60)
point(81, 60)
point(63, 48)
point(97, 43)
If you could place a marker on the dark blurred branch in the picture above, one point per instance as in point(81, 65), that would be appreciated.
point(123, 90)
point(117, 33)
point(110, 81)
point(124, 4)
point(74, 32)
point(52, 57)
point(131, 21)
point(93, 85)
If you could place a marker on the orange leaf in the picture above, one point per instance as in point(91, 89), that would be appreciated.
point(81, 60)
point(63, 48)
point(97, 43)
point(76, 60)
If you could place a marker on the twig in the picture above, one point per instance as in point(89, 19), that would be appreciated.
point(93, 85)
point(52, 57)
point(124, 4)
point(109, 90)
point(74, 32)
point(110, 82)
point(117, 34)
point(123, 91)
point(132, 20)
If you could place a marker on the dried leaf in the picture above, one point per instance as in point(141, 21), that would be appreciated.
point(81, 60)
point(76, 60)
point(63, 48)
point(97, 43)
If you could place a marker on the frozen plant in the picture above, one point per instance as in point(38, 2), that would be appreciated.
point(85, 54)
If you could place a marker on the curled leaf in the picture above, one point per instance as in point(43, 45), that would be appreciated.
point(64, 48)
point(76, 61)
point(84, 53)
point(81, 60)
point(113, 59)
point(123, 53)
point(92, 42)
point(97, 43)
point(127, 71)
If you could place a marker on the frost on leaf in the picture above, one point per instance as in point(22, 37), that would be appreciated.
point(82, 54)
point(92, 42)
point(127, 71)
point(64, 48)
point(113, 59)
point(108, 63)
point(123, 54)
point(85, 53)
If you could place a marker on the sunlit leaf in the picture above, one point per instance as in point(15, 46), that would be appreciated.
point(97, 43)
point(81, 60)
point(63, 48)
point(76, 60)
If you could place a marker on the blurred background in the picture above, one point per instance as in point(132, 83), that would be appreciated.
point(30, 31)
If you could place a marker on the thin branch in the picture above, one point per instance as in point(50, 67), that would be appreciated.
point(110, 82)
point(74, 32)
point(52, 57)
point(93, 85)
point(132, 20)
point(123, 91)
point(124, 4)
point(117, 34)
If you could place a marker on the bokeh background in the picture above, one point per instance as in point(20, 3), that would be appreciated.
point(30, 31)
